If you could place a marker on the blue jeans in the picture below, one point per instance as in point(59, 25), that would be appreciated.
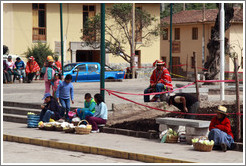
point(82, 113)
point(47, 115)
point(65, 104)
point(158, 88)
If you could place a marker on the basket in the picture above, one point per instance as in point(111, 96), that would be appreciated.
point(173, 139)
point(32, 121)
point(202, 147)
point(80, 130)
point(49, 128)
point(69, 130)
point(59, 128)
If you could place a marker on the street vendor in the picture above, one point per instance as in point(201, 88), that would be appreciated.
point(185, 102)
point(220, 130)
point(89, 107)
point(52, 109)
point(159, 80)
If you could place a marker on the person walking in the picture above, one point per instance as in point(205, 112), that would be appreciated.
point(49, 73)
point(185, 102)
point(64, 92)
point(160, 80)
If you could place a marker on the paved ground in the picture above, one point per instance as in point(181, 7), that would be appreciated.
point(33, 93)
point(126, 144)
point(38, 154)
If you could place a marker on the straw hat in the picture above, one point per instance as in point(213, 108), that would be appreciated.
point(222, 109)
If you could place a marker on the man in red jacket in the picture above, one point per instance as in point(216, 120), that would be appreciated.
point(159, 80)
point(220, 130)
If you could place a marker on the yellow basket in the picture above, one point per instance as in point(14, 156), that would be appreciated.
point(173, 139)
point(202, 147)
point(80, 130)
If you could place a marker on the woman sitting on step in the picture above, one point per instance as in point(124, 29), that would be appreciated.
point(220, 130)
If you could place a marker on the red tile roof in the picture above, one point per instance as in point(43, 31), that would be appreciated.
point(195, 16)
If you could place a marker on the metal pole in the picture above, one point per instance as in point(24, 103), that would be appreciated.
point(171, 19)
point(222, 51)
point(61, 27)
point(102, 74)
point(203, 36)
point(195, 72)
point(133, 41)
point(237, 100)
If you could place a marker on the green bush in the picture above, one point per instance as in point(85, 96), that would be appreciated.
point(39, 51)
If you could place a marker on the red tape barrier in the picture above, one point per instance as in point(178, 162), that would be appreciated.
point(110, 91)
point(113, 93)
point(182, 113)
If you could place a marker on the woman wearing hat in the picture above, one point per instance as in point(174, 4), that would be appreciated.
point(220, 130)
point(32, 68)
point(48, 74)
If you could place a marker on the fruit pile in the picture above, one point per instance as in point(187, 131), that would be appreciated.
point(171, 133)
point(31, 113)
point(206, 142)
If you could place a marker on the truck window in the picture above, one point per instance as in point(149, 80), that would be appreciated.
point(92, 67)
point(82, 68)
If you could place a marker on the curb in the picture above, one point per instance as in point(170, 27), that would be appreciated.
point(92, 150)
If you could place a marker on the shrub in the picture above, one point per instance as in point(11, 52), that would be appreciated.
point(39, 51)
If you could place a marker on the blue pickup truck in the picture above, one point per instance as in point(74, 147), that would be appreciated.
point(90, 72)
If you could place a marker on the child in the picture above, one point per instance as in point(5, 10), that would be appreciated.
point(220, 130)
point(55, 83)
point(64, 92)
point(49, 74)
point(101, 114)
point(89, 107)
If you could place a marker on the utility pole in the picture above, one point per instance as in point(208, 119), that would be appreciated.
point(61, 28)
point(171, 26)
point(222, 51)
point(102, 72)
point(133, 41)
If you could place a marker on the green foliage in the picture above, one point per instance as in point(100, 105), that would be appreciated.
point(119, 33)
point(5, 50)
point(177, 7)
point(39, 51)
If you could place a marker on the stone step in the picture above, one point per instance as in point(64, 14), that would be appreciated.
point(15, 118)
point(20, 111)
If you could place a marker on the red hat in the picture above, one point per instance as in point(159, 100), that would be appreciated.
point(158, 62)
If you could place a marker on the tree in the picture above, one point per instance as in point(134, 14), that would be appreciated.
point(119, 35)
point(39, 51)
point(5, 50)
point(213, 60)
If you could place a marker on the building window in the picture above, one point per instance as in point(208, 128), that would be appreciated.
point(176, 47)
point(88, 12)
point(39, 21)
point(165, 34)
point(138, 26)
point(177, 33)
point(194, 33)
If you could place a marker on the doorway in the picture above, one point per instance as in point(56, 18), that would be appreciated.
point(88, 56)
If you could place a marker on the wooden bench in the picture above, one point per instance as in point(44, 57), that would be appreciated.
point(193, 128)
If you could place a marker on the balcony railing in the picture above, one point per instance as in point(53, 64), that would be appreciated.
point(39, 34)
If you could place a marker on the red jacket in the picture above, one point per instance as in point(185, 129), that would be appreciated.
point(32, 67)
point(58, 64)
point(225, 125)
point(164, 77)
